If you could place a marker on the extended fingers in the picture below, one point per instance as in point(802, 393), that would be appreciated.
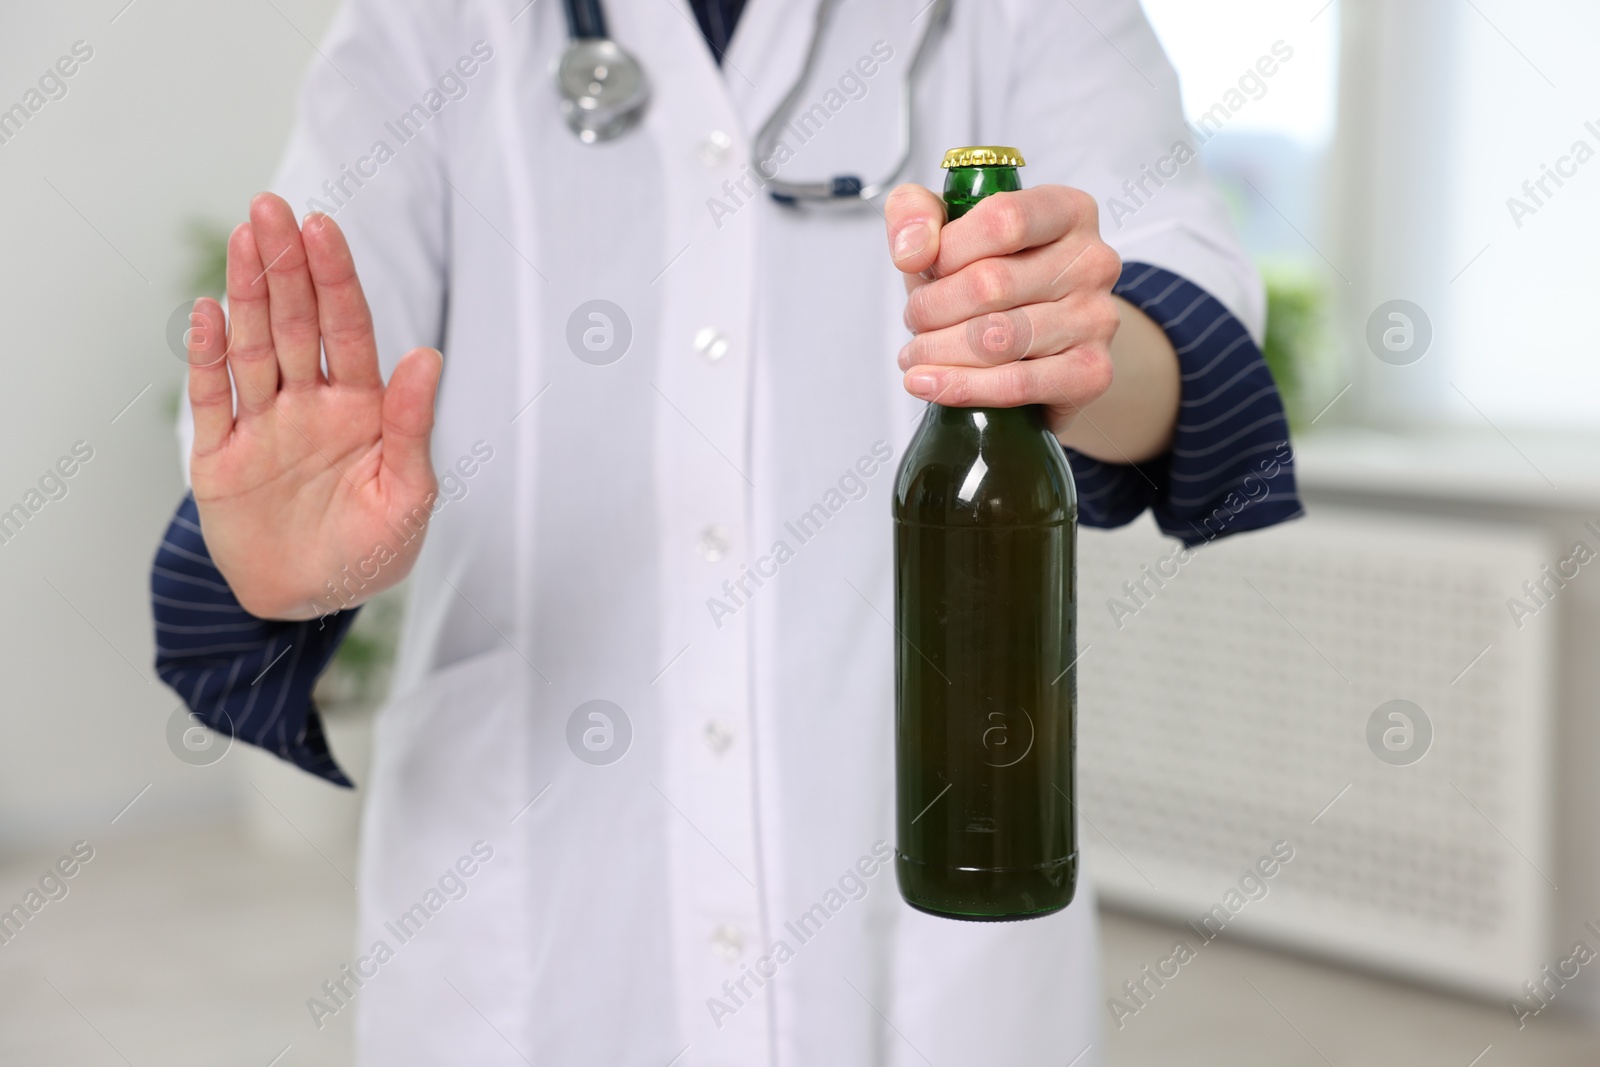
point(1001, 282)
point(408, 404)
point(344, 320)
point(250, 355)
point(210, 390)
point(296, 337)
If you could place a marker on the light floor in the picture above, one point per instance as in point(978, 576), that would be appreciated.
point(199, 949)
point(1238, 1005)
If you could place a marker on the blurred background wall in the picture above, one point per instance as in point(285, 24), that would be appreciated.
point(179, 116)
point(1396, 684)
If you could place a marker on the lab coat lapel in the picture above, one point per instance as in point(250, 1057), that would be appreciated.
point(765, 56)
point(687, 86)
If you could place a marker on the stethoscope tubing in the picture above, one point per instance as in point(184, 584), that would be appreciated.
point(586, 22)
point(842, 188)
point(586, 19)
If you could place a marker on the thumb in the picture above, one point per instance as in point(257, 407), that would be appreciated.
point(913, 216)
point(408, 416)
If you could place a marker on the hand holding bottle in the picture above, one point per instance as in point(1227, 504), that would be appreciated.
point(1011, 304)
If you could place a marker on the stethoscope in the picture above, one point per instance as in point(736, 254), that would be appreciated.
point(605, 93)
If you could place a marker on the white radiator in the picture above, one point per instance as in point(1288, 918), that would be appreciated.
point(1231, 708)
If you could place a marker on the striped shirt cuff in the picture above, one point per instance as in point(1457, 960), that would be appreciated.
point(242, 676)
point(1231, 467)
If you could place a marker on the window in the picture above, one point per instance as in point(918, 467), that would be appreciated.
point(1522, 176)
point(1213, 43)
point(1464, 160)
point(1274, 133)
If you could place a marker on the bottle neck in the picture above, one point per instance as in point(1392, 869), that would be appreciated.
point(987, 421)
point(965, 186)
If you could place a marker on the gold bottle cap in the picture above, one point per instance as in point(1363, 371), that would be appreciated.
point(983, 155)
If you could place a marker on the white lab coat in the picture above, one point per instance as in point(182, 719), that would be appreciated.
point(580, 561)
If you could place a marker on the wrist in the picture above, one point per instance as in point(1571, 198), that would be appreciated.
point(1134, 420)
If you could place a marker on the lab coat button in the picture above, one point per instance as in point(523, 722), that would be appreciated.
point(714, 148)
point(719, 735)
point(728, 942)
point(713, 543)
point(711, 343)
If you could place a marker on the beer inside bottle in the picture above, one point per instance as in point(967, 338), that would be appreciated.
point(985, 517)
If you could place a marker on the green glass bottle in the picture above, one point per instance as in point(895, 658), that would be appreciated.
point(986, 519)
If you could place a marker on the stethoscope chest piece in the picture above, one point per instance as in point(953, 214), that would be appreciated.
point(604, 90)
point(604, 94)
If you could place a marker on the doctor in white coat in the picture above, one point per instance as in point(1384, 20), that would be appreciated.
point(632, 798)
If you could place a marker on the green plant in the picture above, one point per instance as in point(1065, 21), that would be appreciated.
point(359, 674)
point(1296, 325)
point(208, 271)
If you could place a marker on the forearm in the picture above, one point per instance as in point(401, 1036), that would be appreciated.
point(1134, 420)
point(243, 676)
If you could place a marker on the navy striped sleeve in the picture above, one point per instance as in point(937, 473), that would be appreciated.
point(1231, 467)
point(242, 676)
